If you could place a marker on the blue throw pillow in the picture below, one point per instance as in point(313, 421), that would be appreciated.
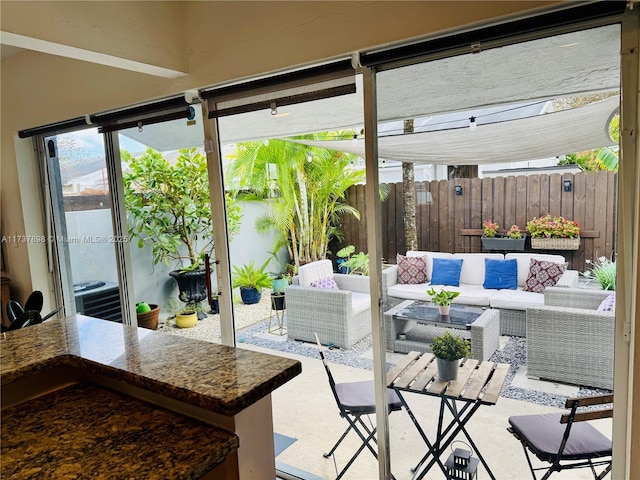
point(500, 274)
point(446, 271)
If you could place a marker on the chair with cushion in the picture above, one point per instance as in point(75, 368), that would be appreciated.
point(571, 338)
point(566, 441)
point(336, 306)
point(356, 400)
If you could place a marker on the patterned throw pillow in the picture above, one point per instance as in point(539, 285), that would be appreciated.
point(327, 283)
point(411, 270)
point(608, 304)
point(543, 274)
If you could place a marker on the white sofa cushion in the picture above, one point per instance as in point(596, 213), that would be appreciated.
point(524, 262)
point(360, 302)
point(314, 271)
point(413, 291)
point(516, 299)
point(473, 266)
point(429, 256)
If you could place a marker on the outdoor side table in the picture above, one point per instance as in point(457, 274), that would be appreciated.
point(278, 308)
point(478, 383)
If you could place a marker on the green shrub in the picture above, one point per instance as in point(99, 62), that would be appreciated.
point(450, 347)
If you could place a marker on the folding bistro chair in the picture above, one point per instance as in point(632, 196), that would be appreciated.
point(355, 400)
point(566, 441)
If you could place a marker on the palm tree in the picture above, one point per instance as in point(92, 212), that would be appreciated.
point(309, 184)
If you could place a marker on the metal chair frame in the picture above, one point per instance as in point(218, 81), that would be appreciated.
point(570, 418)
point(353, 415)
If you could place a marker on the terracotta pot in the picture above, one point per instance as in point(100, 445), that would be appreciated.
point(149, 319)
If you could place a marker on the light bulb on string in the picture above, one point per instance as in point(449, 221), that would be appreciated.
point(472, 124)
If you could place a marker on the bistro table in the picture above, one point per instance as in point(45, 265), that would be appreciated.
point(478, 383)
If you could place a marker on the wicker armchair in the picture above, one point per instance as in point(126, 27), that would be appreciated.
point(341, 317)
point(568, 340)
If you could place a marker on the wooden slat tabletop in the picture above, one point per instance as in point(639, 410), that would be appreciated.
point(417, 372)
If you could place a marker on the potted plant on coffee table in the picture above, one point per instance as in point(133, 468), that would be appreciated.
point(442, 299)
point(448, 350)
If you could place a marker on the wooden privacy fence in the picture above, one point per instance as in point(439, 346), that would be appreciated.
point(452, 222)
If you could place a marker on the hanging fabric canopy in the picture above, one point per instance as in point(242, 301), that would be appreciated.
point(542, 136)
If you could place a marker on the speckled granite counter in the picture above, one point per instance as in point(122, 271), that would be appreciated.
point(223, 386)
point(97, 429)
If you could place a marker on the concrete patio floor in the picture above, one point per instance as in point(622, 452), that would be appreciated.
point(305, 409)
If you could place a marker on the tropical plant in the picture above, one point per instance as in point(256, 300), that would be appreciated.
point(443, 297)
point(250, 276)
point(169, 206)
point(489, 228)
point(307, 186)
point(514, 232)
point(450, 347)
point(356, 264)
point(604, 271)
point(556, 227)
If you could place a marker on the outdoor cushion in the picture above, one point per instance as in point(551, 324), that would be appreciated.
point(313, 271)
point(328, 282)
point(360, 302)
point(524, 263)
point(516, 299)
point(544, 433)
point(446, 271)
point(411, 270)
point(429, 256)
point(543, 274)
point(608, 304)
point(473, 266)
point(501, 274)
point(360, 396)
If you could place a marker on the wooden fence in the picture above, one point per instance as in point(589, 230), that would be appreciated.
point(450, 222)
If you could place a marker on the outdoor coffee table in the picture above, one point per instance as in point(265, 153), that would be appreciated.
point(412, 325)
point(478, 383)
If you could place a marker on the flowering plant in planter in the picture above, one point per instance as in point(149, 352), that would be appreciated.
point(490, 228)
point(553, 227)
point(514, 232)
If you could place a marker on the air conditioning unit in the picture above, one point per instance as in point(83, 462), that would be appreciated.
point(99, 299)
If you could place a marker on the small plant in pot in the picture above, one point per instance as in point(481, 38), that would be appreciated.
point(147, 315)
point(443, 299)
point(349, 262)
point(448, 350)
point(251, 280)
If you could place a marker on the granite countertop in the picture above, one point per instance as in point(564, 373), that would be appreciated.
point(97, 430)
point(215, 377)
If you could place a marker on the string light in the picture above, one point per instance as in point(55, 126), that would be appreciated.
point(472, 124)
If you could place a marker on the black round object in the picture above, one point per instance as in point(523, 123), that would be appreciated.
point(30, 317)
point(35, 301)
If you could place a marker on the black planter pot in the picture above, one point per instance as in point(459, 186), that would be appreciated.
point(250, 295)
point(192, 286)
point(215, 306)
point(277, 301)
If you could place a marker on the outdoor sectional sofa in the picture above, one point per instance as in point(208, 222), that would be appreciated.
point(511, 303)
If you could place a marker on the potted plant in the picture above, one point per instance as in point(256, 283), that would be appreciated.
point(147, 315)
point(251, 280)
point(350, 263)
point(604, 271)
point(169, 210)
point(513, 239)
point(448, 350)
point(554, 233)
point(443, 299)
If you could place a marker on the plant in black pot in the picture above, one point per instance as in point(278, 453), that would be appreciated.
point(448, 350)
point(169, 210)
point(251, 280)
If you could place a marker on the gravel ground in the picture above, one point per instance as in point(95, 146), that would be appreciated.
point(252, 322)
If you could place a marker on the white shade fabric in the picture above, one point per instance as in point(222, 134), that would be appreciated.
point(542, 136)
